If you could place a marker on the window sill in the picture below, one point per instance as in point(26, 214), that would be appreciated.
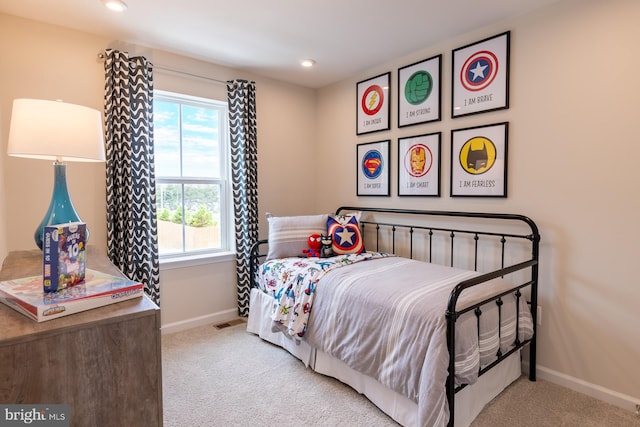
point(194, 260)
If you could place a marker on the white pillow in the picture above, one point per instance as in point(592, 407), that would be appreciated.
point(288, 234)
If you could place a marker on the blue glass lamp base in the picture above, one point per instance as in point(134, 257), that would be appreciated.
point(61, 209)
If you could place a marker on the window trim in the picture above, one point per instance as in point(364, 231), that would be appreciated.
point(227, 251)
point(195, 260)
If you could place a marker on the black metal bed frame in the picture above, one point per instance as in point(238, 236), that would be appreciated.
point(451, 313)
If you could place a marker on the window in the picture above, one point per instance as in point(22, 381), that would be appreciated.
point(191, 166)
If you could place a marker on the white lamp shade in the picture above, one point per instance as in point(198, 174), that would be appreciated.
point(54, 130)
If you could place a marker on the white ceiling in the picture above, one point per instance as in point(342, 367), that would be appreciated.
point(270, 38)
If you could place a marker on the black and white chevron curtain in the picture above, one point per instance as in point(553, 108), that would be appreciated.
point(132, 228)
point(241, 96)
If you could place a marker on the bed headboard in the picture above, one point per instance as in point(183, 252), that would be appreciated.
point(460, 239)
point(478, 241)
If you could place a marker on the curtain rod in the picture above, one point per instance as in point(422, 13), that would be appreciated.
point(171, 70)
point(102, 56)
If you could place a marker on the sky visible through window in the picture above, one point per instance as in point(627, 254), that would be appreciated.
point(200, 140)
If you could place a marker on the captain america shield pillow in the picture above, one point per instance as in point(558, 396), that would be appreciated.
point(345, 234)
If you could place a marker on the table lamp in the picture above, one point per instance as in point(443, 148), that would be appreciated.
point(58, 131)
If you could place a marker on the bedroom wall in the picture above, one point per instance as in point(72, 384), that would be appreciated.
point(44, 61)
point(572, 154)
point(573, 150)
point(3, 225)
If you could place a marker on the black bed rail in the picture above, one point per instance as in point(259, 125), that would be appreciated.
point(451, 314)
point(453, 233)
point(255, 256)
point(532, 225)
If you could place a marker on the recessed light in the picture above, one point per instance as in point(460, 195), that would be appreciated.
point(307, 63)
point(115, 5)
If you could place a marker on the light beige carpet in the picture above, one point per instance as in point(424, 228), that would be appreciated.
point(228, 377)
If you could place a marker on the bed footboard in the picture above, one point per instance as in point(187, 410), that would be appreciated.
point(452, 314)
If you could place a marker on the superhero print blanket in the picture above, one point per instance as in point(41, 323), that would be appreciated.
point(292, 283)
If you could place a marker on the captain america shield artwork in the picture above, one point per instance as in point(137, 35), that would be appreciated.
point(480, 76)
point(479, 71)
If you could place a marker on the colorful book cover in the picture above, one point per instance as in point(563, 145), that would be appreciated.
point(63, 255)
point(98, 289)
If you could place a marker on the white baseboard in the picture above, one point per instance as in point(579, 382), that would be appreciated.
point(213, 318)
point(612, 397)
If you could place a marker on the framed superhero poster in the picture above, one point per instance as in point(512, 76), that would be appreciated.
point(480, 76)
point(373, 104)
point(419, 87)
point(419, 165)
point(479, 161)
point(373, 168)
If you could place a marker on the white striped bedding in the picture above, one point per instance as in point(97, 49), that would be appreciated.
point(385, 318)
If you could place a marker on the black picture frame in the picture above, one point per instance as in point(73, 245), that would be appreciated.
point(479, 160)
point(372, 104)
point(373, 168)
point(420, 92)
point(419, 160)
point(480, 76)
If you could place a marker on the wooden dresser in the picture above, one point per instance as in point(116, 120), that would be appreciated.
point(104, 363)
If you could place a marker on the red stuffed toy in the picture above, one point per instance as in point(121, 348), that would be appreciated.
point(315, 244)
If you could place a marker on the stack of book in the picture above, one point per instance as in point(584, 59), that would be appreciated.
point(98, 289)
point(66, 285)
